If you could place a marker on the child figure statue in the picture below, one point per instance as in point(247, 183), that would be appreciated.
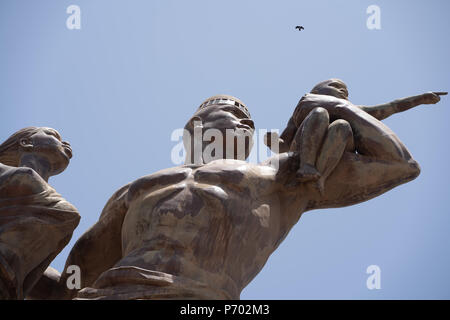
point(310, 123)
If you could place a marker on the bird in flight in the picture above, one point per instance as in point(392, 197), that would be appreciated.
point(300, 28)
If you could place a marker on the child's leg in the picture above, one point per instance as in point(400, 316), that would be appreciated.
point(307, 142)
point(339, 139)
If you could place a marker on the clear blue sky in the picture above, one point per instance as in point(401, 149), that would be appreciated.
point(117, 88)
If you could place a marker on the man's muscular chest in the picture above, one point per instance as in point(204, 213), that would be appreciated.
point(177, 204)
point(185, 190)
point(220, 181)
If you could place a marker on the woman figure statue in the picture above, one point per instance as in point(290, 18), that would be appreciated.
point(36, 223)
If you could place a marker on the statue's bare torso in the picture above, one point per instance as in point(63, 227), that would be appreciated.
point(217, 223)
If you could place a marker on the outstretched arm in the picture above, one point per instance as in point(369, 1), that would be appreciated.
point(382, 111)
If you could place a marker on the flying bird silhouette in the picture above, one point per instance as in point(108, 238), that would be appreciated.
point(300, 28)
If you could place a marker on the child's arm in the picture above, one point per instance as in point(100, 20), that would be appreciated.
point(382, 111)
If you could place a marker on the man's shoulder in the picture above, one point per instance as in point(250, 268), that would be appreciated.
point(117, 202)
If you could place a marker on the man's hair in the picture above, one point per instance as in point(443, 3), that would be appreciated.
point(224, 99)
point(9, 150)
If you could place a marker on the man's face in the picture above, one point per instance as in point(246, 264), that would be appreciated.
point(333, 87)
point(228, 120)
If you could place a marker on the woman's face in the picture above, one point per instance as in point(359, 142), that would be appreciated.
point(47, 144)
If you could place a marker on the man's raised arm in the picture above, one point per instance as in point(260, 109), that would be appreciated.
point(381, 162)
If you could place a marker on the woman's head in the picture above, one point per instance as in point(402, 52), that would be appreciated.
point(40, 142)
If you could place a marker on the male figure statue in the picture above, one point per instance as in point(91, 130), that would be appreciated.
point(205, 229)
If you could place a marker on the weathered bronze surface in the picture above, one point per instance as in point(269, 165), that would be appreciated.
point(205, 229)
point(35, 221)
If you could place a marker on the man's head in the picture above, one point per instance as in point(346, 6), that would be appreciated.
point(221, 115)
point(42, 143)
point(332, 87)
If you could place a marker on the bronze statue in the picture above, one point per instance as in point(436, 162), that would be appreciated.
point(35, 221)
point(205, 229)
